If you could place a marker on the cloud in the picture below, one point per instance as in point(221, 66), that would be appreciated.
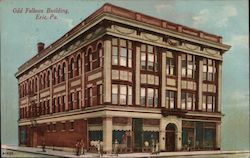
point(201, 18)
point(218, 18)
point(239, 41)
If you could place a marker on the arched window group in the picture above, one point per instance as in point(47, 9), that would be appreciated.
point(94, 58)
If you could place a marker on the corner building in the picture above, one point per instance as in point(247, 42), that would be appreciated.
point(123, 75)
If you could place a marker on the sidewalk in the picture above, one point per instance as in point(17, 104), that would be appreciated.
point(129, 155)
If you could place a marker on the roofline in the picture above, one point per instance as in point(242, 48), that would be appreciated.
point(130, 14)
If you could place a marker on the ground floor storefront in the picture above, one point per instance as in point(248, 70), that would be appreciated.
point(125, 134)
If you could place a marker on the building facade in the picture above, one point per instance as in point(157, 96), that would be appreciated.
point(122, 75)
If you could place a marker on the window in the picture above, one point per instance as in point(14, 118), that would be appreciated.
point(71, 68)
point(149, 58)
point(54, 105)
point(121, 52)
point(89, 97)
point(170, 64)
point(149, 97)
point(100, 52)
point(44, 108)
point(48, 79)
point(121, 94)
point(170, 99)
point(187, 101)
point(78, 99)
point(71, 125)
point(36, 85)
point(99, 94)
point(54, 76)
point(114, 94)
point(63, 72)
point(44, 82)
point(58, 104)
point(188, 66)
point(54, 127)
point(208, 103)
point(63, 103)
point(209, 70)
point(58, 74)
point(71, 101)
point(48, 107)
point(78, 62)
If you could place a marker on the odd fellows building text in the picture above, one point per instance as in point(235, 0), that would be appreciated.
point(42, 14)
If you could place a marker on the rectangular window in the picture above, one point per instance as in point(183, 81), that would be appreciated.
point(188, 101)
point(58, 104)
point(63, 103)
point(121, 94)
point(188, 63)
point(170, 99)
point(78, 99)
point(54, 127)
point(121, 52)
point(71, 125)
point(99, 94)
point(208, 103)
point(209, 70)
point(149, 58)
point(114, 94)
point(54, 105)
point(143, 96)
point(89, 97)
point(170, 64)
point(149, 97)
point(71, 101)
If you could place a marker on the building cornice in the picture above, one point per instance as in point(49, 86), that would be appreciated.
point(114, 13)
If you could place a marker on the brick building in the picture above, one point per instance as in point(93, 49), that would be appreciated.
point(123, 75)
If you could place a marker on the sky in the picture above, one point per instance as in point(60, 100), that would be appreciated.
point(20, 32)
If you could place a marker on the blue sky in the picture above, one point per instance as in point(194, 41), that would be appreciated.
point(228, 18)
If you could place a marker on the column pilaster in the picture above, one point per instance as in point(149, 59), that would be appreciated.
point(200, 82)
point(107, 134)
point(163, 79)
point(107, 71)
point(178, 81)
point(138, 75)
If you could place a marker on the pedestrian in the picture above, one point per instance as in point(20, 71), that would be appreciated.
point(77, 146)
point(43, 145)
point(116, 147)
point(82, 147)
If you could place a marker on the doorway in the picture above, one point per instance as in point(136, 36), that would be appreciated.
point(170, 137)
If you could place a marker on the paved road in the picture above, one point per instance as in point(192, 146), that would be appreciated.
point(39, 154)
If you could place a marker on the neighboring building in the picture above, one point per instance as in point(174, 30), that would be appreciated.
point(124, 75)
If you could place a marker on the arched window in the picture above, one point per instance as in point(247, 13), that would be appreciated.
point(58, 74)
point(88, 60)
point(78, 69)
point(71, 68)
point(29, 86)
point(63, 72)
point(44, 80)
point(100, 54)
point(40, 81)
point(54, 76)
point(48, 79)
point(33, 86)
point(36, 84)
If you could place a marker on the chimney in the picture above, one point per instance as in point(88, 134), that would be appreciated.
point(40, 47)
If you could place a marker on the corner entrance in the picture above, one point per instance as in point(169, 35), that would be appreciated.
point(170, 137)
